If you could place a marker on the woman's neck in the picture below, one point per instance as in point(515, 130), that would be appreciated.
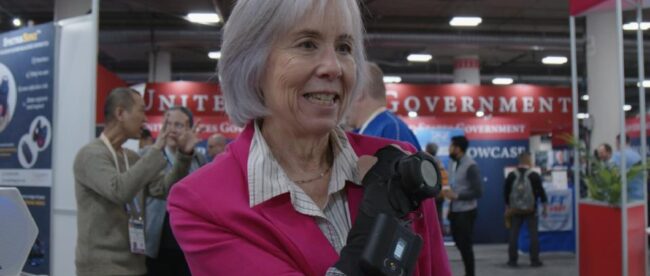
point(300, 155)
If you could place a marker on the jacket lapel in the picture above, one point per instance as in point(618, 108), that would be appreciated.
point(303, 232)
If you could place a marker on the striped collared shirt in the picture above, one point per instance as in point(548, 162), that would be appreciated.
point(267, 179)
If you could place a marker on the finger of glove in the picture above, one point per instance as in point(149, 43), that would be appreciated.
point(385, 166)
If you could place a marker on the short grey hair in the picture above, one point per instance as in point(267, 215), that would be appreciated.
point(247, 40)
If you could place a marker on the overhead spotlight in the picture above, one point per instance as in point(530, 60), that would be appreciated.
point(633, 26)
point(413, 114)
point(627, 107)
point(502, 81)
point(419, 57)
point(646, 83)
point(554, 60)
point(203, 18)
point(465, 21)
point(17, 22)
point(392, 79)
point(480, 113)
point(582, 116)
point(585, 97)
point(214, 55)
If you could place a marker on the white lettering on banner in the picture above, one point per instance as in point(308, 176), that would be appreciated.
point(564, 101)
point(450, 104)
point(20, 39)
point(199, 99)
point(508, 105)
point(545, 104)
point(184, 100)
point(431, 103)
point(166, 102)
point(467, 104)
point(528, 105)
point(487, 105)
point(412, 103)
point(495, 152)
point(490, 129)
point(392, 105)
point(219, 103)
point(149, 105)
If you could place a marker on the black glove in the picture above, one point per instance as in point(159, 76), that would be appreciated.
point(382, 194)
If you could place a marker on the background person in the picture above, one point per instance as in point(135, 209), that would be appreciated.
point(111, 183)
point(368, 112)
point(164, 255)
point(522, 189)
point(216, 144)
point(289, 194)
point(464, 191)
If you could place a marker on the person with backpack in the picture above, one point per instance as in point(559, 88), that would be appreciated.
point(522, 189)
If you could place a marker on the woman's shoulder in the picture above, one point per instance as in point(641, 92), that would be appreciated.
point(223, 178)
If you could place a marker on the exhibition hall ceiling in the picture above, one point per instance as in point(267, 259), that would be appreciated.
point(511, 40)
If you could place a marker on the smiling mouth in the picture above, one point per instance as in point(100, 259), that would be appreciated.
point(322, 98)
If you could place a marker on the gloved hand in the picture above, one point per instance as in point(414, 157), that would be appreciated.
point(382, 194)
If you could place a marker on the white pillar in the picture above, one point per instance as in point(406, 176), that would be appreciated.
point(160, 66)
point(466, 70)
point(603, 77)
point(74, 109)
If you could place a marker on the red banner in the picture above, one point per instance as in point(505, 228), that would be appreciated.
point(476, 128)
point(106, 81)
point(633, 126)
point(580, 7)
point(204, 99)
point(208, 125)
point(545, 109)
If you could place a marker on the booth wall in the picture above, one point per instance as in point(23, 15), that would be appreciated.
point(74, 110)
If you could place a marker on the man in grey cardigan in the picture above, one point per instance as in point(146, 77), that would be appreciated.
point(111, 183)
point(465, 190)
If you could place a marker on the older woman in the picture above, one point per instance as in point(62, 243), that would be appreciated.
point(283, 197)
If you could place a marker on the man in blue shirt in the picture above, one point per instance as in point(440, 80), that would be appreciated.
point(369, 115)
point(632, 157)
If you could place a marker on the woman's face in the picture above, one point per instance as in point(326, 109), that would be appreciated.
point(310, 73)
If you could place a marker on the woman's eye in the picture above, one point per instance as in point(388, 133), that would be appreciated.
point(344, 48)
point(307, 45)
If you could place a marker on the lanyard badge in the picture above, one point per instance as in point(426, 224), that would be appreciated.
point(136, 222)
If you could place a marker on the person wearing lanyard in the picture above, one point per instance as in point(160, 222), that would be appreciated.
point(110, 184)
point(164, 255)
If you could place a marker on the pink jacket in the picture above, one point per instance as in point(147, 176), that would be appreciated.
point(221, 235)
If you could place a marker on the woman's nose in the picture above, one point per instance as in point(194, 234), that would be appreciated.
point(330, 66)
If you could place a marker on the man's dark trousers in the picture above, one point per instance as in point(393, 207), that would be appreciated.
point(462, 229)
point(516, 222)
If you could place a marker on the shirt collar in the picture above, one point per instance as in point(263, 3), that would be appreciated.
point(267, 179)
point(372, 117)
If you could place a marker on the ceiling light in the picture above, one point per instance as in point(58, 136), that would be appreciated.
point(554, 60)
point(502, 81)
point(627, 107)
point(204, 18)
point(214, 55)
point(582, 116)
point(585, 97)
point(646, 83)
point(480, 113)
point(413, 114)
point(633, 26)
point(392, 79)
point(17, 22)
point(465, 21)
point(419, 57)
